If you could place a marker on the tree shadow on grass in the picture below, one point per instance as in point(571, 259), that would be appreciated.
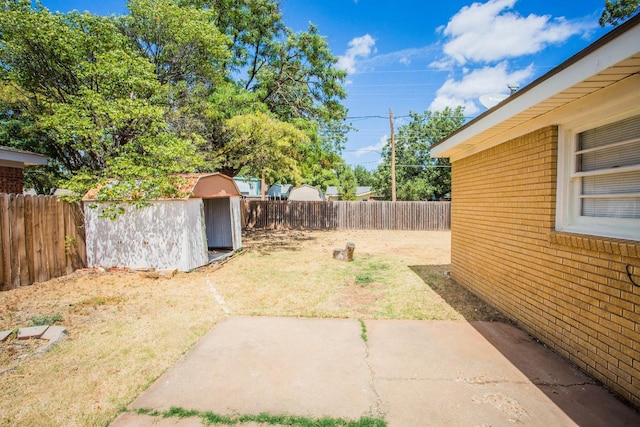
point(269, 241)
point(467, 304)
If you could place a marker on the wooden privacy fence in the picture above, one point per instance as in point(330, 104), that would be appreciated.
point(346, 215)
point(42, 238)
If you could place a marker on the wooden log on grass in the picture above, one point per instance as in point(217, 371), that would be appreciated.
point(345, 254)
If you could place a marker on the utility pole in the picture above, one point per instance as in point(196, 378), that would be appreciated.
point(393, 158)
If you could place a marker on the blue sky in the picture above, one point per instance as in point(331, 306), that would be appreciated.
point(411, 55)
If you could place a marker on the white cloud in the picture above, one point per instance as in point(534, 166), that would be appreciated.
point(376, 147)
point(359, 47)
point(404, 56)
point(478, 82)
point(489, 32)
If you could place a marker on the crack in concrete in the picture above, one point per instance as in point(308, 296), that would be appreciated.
point(545, 384)
point(372, 379)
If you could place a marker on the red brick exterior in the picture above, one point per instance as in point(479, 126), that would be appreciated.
point(10, 180)
point(570, 291)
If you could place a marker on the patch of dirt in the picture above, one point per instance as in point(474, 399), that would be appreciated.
point(13, 350)
point(269, 241)
point(81, 300)
point(360, 299)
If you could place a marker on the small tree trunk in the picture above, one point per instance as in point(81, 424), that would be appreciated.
point(349, 249)
point(345, 254)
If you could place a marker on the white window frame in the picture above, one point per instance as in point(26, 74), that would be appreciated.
point(568, 217)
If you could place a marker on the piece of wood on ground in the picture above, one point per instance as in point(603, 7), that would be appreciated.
point(345, 254)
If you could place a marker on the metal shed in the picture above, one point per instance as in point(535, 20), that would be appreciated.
point(178, 234)
point(306, 193)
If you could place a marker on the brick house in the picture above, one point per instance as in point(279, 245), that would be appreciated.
point(546, 208)
point(12, 163)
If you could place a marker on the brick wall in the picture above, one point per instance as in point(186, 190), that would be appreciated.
point(572, 292)
point(10, 180)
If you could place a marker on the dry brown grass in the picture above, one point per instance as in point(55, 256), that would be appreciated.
point(395, 275)
point(125, 330)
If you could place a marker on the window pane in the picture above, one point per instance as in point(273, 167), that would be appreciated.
point(609, 134)
point(611, 208)
point(619, 183)
point(624, 155)
point(610, 188)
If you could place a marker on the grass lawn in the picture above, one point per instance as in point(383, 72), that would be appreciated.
point(126, 330)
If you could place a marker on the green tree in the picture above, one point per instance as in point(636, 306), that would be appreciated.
point(364, 177)
point(100, 96)
point(418, 175)
point(348, 184)
point(181, 42)
point(292, 74)
point(617, 11)
point(93, 100)
point(265, 147)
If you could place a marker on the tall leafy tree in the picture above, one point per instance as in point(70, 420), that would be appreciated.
point(364, 177)
point(292, 74)
point(92, 98)
point(617, 11)
point(179, 80)
point(418, 175)
point(265, 147)
point(182, 42)
point(348, 184)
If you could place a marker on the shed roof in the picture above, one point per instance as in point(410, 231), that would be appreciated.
point(197, 185)
point(611, 59)
point(210, 185)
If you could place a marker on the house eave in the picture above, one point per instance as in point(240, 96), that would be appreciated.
point(23, 158)
point(607, 62)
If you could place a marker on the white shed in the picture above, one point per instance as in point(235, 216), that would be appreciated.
point(178, 234)
point(306, 193)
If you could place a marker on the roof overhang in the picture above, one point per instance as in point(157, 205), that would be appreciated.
point(610, 65)
point(18, 158)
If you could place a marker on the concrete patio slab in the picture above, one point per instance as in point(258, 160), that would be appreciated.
point(413, 373)
point(255, 365)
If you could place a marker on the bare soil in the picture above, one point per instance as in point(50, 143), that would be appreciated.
point(126, 329)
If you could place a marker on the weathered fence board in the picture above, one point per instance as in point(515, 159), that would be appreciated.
point(42, 238)
point(273, 214)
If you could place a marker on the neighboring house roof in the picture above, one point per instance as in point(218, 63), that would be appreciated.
point(279, 190)
point(26, 158)
point(306, 193)
point(248, 186)
point(332, 191)
point(360, 191)
point(198, 185)
point(611, 59)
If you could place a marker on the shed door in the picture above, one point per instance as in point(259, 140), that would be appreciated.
point(217, 217)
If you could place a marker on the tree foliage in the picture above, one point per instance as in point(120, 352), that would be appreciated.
point(265, 147)
point(90, 97)
point(364, 177)
point(418, 175)
point(617, 11)
point(173, 86)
